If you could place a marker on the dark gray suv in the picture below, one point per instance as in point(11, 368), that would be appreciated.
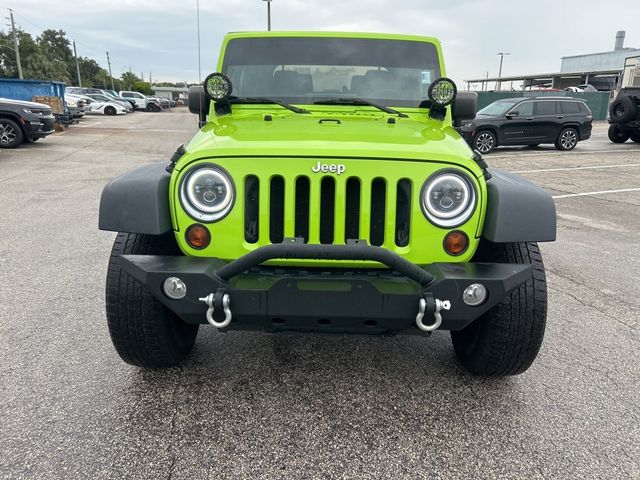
point(561, 121)
point(23, 122)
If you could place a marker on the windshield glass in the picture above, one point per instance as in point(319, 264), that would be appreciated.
point(498, 108)
point(307, 69)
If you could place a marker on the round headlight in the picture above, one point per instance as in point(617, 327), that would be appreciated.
point(448, 199)
point(218, 86)
point(442, 92)
point(207, 193)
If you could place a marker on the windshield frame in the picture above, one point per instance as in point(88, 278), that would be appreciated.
point(435, 59)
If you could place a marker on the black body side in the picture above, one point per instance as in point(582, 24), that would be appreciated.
point(137, 202)
point(518, 210)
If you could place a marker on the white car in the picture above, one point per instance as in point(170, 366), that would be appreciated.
point(96, 107)
point(108, 99)
point(143, 102)
point(75, 105)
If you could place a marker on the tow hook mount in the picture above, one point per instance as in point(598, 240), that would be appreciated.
point(428, 306)
point(216, 301)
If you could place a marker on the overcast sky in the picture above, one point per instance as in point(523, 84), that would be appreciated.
point(159, 36)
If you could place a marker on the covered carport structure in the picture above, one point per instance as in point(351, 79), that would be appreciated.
point(601, 79)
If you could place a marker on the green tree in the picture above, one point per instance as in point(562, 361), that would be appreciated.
point(142, 87)
point(129, 79)
point(55, 45)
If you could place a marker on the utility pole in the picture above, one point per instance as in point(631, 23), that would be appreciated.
point(268, 14)
point(16, 44)
point(110, 76)
point(149, 77)
point(502, 54)
point(75, 54)
point(198, 22)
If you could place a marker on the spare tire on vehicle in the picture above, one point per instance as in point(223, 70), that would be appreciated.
point(623, 110)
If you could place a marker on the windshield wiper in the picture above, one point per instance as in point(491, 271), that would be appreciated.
point(359, 101)
point(265, 100)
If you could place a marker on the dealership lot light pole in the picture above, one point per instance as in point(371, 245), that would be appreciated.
point(502, 54)
point(198, 23)
point(268, 14)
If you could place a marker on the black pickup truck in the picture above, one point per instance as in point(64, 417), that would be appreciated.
point(23, 122)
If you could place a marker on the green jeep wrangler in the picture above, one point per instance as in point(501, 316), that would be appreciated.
point(327, 191)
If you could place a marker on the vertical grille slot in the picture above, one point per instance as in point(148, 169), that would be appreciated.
point(276, 210)
point(327, 209)
point(403, 213)
point(302, 209)
point(378, 200)
point(352, 210)
point(251, 208)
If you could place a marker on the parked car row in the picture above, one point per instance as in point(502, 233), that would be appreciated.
point(24, 121)
point(109, 102)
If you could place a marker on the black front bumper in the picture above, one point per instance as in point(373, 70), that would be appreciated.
point(39, 127)
point(322, 299)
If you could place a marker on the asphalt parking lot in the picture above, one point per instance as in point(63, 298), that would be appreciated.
point(252, 405)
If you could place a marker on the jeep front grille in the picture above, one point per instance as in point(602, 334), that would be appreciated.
point(327, 210)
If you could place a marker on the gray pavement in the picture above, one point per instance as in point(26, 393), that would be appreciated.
point(252, 405)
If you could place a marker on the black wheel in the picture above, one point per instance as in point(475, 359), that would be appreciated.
point(635, 136)
point(10, 134)
point(567, 140)
point(617, 135)
point(485, 141)
point(622, 110)
point(110, 111)
point(507, 338)
point(144, 332)
point(152, 107)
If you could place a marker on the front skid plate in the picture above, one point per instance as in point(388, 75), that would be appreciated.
point(331, 300)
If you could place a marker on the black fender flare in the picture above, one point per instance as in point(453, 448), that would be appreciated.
point(518, 210)
point(137, 202)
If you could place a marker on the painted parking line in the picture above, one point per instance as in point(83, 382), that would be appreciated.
point(564, 169)
point(552, 153)
point(602, 192)
point(88, 124)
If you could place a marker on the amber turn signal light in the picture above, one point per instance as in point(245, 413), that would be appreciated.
point(198, 236)
point(456, 242)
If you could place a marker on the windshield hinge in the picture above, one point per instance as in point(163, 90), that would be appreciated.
point(477, 157)
point(180, 151)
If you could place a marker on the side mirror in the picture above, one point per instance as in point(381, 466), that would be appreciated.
point(464, 107)
point(512, 114)
point(198, 103)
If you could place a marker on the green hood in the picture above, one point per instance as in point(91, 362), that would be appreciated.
point(328, 133)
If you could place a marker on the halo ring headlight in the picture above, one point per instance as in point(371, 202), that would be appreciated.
point(218, 86)
point(207, 193)
point(442, 92)
point(448, 198)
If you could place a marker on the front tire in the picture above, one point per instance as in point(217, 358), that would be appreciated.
point(10, 134)
point(617, 135)
point(144, 332)
point(507, 338)
point(110, 111)
point(567, 140)
point(485, 141)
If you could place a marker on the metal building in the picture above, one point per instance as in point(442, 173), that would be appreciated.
point(602, 70)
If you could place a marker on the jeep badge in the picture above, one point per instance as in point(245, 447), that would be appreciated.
point(331, 168)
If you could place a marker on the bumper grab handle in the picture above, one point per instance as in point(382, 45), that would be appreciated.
point(293, 249)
